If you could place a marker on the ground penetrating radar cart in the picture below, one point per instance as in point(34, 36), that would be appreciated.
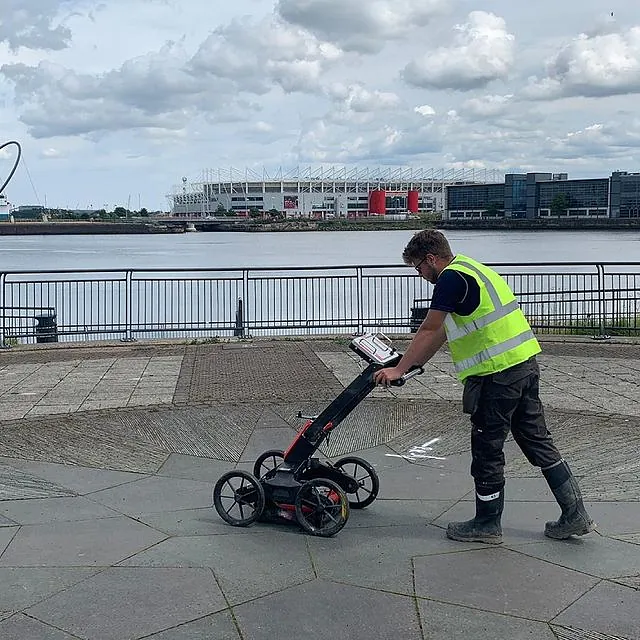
point(293, 485)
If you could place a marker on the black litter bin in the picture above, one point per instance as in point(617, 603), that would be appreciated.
point(418, 314)
point(46, 328)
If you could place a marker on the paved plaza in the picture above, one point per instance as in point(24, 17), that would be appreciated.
point(108, 457)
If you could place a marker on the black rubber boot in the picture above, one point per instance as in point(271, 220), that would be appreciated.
point(574, 520)
point(485, 527)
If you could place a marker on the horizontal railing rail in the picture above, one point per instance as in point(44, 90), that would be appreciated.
point(69, 305)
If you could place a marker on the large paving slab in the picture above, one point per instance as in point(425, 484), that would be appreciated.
point(326, 611)
point(178, 465)
point(155, 494)
point(21, 627)
point(22, 587)
point(65, 478)
point(97, 542)
point(608, 609)
point(247, 566)
point(128, 602)
point(219, 626)
point(17, 484)
point(451, 622)
point(492, 580)
point(379, 557)
point(54, 510)
point(7, 534)
point(593, 555)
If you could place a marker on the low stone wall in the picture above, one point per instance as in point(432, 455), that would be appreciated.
point(80, 228)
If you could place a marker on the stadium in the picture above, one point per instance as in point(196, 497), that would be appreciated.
point(336, 192)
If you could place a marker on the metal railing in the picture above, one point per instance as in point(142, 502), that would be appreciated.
point(580, 298)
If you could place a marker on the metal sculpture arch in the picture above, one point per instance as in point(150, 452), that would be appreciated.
point(15, 165)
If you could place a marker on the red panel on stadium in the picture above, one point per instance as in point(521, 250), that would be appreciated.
point(378, 202)
point(413, 200)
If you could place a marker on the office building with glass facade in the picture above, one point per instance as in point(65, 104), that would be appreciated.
point(541, 195)
point(625, 195)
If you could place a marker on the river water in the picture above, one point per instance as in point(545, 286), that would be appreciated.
point(302, 249)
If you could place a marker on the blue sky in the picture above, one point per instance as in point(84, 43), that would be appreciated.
point(115, 102)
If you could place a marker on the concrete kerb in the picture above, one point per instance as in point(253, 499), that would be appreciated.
point(339, 338)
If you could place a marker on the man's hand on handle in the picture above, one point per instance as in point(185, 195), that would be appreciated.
point(386, 376)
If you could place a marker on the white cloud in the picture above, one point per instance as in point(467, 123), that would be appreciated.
point(34, 24)
point(255, 55)
point(483, 51)
point(597, 140)
point(358, 98)
point(51, 153)
point(167, 89)
point(425, 110)
point(355, 106)
point(487, 106)
point(262, 127)
point(151, 91)
point(603, 64)
point(383, 136)
point(355, 25)
point(466, 164)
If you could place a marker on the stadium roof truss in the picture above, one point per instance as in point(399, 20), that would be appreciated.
point(311, 178)
point(355, 174)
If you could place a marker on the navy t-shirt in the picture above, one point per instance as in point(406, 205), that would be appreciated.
point(455, 292)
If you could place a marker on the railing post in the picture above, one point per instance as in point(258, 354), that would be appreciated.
point(128, 309)
point(602, 306)
point(4, 312)
point(360, 294)
point(242, 305)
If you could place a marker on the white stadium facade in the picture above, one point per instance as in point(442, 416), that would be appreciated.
point(335, 192)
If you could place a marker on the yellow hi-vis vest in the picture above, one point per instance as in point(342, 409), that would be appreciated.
point(496, 335)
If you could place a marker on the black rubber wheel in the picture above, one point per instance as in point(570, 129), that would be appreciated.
point(322, 508)
point(266, 462)
point(238, 498)
point(366, 477)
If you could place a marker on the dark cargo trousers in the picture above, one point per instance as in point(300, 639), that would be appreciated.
point(503, 402)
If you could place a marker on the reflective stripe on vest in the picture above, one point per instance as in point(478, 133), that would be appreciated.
point(454, 331)
point(493, 351)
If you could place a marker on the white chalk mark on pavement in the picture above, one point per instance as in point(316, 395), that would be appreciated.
point(419, 453)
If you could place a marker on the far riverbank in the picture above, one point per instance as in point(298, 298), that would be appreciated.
point(178, 226)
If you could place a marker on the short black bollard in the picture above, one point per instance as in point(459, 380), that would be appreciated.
point(46, 328)
point(418, 314)
point(238, 332)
